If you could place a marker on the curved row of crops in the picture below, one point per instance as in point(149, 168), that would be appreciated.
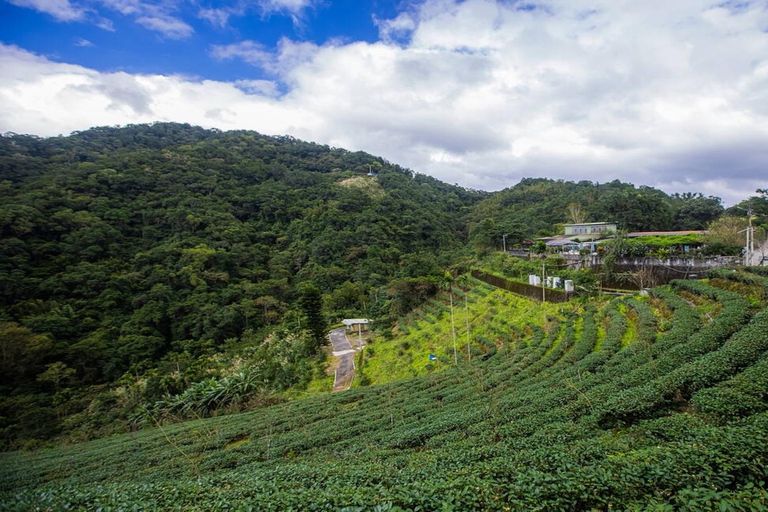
point(657, 403)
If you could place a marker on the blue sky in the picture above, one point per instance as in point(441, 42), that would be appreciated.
point(102, 37)
point(476, 92)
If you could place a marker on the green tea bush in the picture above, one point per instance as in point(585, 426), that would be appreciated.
point(670, 420)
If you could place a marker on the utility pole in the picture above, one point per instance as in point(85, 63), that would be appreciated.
point(751, 234)
point(749, 247)
point(466, 318)
point(543, 283)
point(453, 330)
point(504, 242)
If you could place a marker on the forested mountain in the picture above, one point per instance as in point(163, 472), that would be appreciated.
point(139, 262)
point(535, 206)
point(122, 248)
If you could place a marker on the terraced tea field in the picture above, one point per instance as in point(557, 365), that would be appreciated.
point(642, 403)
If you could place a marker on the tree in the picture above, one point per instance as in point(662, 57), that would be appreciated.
point(697, 212)
point(311, 303)
point(728, 231)
point(273, 308)
point(576, 214)
point(21, 352)
point(643, 209)
point(57, 373)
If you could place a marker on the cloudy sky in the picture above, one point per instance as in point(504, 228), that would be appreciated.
point(672, 94)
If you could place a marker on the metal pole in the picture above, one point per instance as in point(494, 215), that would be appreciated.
point(749, 246)
point(466, 311)
point(360, 335)
point(453, 330)
point(749, 232)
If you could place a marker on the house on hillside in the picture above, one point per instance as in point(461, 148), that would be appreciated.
point(589, 230)
point(579, 236)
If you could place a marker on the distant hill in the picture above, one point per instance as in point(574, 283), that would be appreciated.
point(139, 262)
point(536, 206)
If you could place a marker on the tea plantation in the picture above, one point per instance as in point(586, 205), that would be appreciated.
point(641, 403)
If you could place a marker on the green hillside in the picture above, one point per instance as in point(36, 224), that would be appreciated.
point(165, 292)
point(641, 403)
point(536, 206)
point(485, 320)
point(138, 262)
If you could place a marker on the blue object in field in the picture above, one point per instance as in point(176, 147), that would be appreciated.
point(432, 357)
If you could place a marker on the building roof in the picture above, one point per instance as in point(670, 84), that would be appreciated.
point(665, 233)
point(355, 321)
point(590, 224)
point(561, 240)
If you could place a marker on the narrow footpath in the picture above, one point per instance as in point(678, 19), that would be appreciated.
point(345, 367)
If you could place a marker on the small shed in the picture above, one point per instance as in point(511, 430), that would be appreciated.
point(356, 324)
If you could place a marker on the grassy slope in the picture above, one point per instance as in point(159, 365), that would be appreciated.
point(561, 419)
point(494, 318)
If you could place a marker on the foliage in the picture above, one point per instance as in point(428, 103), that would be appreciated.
point(148, 250)
point(538, 206)
point(728, 234)
point(519, 269)
point(696, 212)
point(311, 304)
point(644, 209)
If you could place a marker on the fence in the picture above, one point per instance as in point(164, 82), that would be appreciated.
point(677, 263)
point(526, 290)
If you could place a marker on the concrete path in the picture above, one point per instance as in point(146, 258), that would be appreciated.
point(342, 349)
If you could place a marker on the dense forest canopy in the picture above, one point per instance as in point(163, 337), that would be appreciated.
point(122, 247)
point(137, 254)
point(537, 206)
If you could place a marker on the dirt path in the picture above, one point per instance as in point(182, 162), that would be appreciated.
point(345, 367)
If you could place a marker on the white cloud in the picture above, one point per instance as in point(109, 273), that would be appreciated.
point(84, 43)
point(296, 9)
point(668, 94)
point(35, 91)
point(170, 27)
point(217, 17)
point(62, 10)
point(104, 24)
point(126, 7)
point(153, 16)
point(261, 87)
point(250, 51)
point(289, 56)
point(290, 6)
point(395, 29)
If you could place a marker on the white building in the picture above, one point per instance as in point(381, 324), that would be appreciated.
point(589, 230)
